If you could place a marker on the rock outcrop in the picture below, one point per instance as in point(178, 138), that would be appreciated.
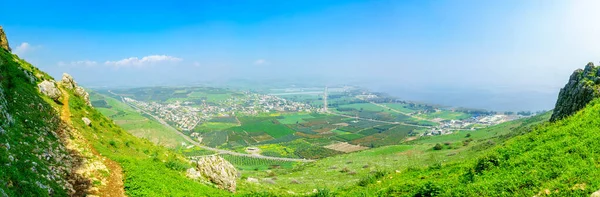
point(69, 83)
point(216, 170)
point(79, 91)
point(583, 87)
point(3, 40)
point(49, 89)
point(86, 121)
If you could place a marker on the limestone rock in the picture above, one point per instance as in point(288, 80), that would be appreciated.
point(68, 82)
point(595, 194)
point(218, 171)
point(49, 89)
point(79, 91)
point(192, 173)
point(87, 121)
point(578, 92)
point(3, 40)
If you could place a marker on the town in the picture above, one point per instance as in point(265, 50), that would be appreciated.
point(186, 115)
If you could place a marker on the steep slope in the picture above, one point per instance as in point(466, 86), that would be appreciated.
point(55, 144)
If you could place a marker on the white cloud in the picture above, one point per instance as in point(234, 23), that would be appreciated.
point(87, 63)
point(144, 61)
point(25, 48)
point(261, 62)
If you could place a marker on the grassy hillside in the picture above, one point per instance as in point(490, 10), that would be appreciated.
point(32, 155)
point(342, 174)
point(35, 161)
point(560, 158)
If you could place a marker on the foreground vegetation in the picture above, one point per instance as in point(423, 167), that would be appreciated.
point(557, 158)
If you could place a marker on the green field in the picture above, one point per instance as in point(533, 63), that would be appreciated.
point(250, 163)
point(405, 108)
point(269, 126)
point(294, 118)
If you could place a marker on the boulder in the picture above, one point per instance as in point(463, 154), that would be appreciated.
point(49, 89)
point(87, 121)
point(3, 40)
point(218, 171)
point(68, 82)
point(595, 194)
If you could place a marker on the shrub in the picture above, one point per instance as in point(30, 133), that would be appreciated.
point(438, 147)
point(428, 189)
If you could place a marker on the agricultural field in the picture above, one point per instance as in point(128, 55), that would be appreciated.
point(256, 164)
point(236, 119)
point(349, 170)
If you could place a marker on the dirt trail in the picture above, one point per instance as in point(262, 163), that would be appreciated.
point(114, 185)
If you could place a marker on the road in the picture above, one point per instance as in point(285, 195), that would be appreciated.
point(219, 151)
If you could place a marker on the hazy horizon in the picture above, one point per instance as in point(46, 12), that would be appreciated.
point(505, 55)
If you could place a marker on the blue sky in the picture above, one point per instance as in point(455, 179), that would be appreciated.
point(491, 52)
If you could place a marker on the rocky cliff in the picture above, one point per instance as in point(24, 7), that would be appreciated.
point(583, 87)
point(3, 40)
